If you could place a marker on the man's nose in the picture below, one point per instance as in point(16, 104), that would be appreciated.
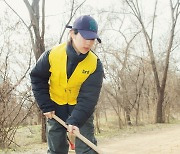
point(89, 41)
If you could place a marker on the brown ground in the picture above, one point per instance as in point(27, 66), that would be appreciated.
point(159, 141)
point(162, 141)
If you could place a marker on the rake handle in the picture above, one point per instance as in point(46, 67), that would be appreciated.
point(81, 137)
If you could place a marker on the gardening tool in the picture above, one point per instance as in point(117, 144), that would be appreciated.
point(71, 144)
point(81, 137)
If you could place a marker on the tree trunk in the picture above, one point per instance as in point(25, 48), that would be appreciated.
point(137, 113)
point(37, 40)
point(43, 133)
point(128, 117)
point(159, 111)
point(97, 122)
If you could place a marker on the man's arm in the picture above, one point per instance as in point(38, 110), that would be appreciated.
point(39, 79)
point(87, 98)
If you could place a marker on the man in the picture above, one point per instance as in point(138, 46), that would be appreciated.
point(66, 81)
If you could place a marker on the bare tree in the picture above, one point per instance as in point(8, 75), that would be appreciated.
point(12, 100)
point(38, 38)
point(160, 83)
point(72, 13)
point(37, 31)
point(119, 76)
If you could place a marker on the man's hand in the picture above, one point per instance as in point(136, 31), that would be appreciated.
point(71, 129)
point(49, 114)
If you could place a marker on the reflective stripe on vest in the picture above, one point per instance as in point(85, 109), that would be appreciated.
point(63, 91)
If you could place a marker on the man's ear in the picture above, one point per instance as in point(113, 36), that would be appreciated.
point(75, 31)
point(71, 33)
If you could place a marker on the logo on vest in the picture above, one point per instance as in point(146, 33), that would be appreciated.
point(85, 72)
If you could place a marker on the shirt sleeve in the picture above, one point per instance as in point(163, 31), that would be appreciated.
point(87, 98)
point(39, 80)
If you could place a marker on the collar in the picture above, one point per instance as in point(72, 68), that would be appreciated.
point(73, 56)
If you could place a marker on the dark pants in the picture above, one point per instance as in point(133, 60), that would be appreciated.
point(57, 138)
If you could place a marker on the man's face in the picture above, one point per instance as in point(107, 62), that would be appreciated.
point(80, 44)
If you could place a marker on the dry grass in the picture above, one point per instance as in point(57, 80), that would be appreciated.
point(28, 138)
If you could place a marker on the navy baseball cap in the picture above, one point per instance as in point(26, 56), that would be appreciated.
point(87, 27)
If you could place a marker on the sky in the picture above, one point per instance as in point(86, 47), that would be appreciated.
point(55, 9)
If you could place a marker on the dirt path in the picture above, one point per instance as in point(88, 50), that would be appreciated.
point(159, 141)
point(163, 141)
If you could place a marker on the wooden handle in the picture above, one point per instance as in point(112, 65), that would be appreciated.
point(81, 137)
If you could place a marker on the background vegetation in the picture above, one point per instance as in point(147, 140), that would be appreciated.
point(139, 51)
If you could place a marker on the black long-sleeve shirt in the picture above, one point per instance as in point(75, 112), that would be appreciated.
point(88, 94)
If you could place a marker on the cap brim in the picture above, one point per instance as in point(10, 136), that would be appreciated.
point(88, 35)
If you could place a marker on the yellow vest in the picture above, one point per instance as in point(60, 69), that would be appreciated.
point(62, 90)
